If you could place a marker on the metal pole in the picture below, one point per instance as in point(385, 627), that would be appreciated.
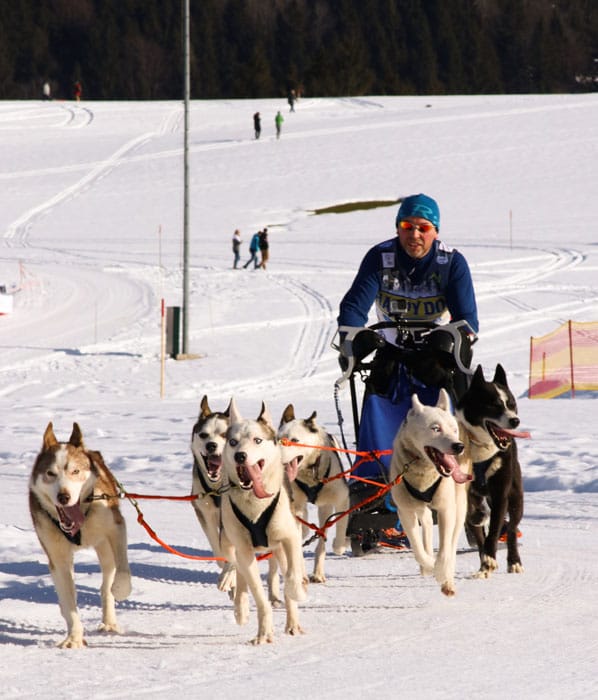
point(187, 89)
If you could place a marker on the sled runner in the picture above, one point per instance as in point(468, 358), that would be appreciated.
point(394, 360)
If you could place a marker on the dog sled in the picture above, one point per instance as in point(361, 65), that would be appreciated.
point(386, 363)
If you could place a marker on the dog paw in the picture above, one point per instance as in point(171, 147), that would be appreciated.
point(276, 602)
point(448, 589)
point(294, 630)
point(339, 549)
point(516, 568)
point(317, 578)
point(72, 642)
point(227, 580)
point(121, 587)
point(266, 638)
point(109, 628)
point(482, 573)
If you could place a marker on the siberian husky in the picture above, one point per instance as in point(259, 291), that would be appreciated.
point(488, 412)
point(308, 470)
point(257, 517)
point(208, 438)
point(73, 499)
point(424, 454)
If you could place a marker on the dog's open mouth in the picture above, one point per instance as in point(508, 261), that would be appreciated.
point(292, 467)
point(250, 477)
point(213, 466)
point(503, 436)
point(446, 465)
point(70, 518)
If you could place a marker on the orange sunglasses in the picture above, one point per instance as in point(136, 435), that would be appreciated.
point(410, 226)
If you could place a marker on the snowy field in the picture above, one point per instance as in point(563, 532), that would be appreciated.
point(91, 209)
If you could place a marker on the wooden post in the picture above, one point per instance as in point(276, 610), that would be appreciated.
point(162, 348)
point(572, 369)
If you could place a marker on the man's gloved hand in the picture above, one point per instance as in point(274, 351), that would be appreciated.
point(343, 361)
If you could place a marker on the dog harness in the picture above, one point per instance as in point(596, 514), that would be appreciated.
point(206, 488)
point(312, 492)
point(479, 471)
point(257, 529)
point(426, 495)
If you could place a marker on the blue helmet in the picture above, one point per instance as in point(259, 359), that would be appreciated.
point(419, 205)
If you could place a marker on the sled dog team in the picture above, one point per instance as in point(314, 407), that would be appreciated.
point(251, 481)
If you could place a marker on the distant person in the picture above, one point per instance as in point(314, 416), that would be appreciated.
point(264, 248)
point(254, 247)
point(257, 124)
point(46, 91)
point(236, 248)
point(278, 120)
point(291, 100)
point(77, 90)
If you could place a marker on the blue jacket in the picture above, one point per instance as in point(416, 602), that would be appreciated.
point(254, 244)
point(435, 287)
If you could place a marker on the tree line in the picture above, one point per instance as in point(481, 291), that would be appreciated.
point(132, 49)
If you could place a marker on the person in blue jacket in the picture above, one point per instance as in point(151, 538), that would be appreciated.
point(414, 276)
point(411, 276)
point(254, 247)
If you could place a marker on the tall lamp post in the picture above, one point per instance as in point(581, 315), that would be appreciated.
point(187, 90)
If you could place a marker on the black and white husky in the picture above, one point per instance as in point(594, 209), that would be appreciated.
point(208, 438)
point(488, 412)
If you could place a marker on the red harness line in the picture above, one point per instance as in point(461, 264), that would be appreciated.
point(320, 532)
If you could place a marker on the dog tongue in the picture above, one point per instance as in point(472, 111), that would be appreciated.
point(292, 468)
point(516, 433)
point(452, 465)
point(255, 473)
point(71, 518)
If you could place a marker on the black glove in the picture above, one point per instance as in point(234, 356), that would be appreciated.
point(343, 362)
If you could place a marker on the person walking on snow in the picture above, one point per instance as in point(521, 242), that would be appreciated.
point(236, 248)
point(278, 120)
point(254, 246)
point(257, 124)
point(264, 248)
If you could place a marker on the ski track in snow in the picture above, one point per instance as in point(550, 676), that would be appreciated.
point(314, 339)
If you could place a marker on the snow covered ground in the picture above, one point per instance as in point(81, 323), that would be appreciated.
point(91, 210)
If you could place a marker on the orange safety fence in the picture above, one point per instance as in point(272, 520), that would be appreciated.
point(565, 360)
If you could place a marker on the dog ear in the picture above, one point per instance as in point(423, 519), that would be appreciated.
point(416, 404)
point(288, 414)
point(204, 407)
point(311, 421)
point(500, 376)
point(235, 416)
point(478, 376)
point(49, 437)
point(265, 416)
point(76, 438)
point(444, 401)
point(227, 412)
